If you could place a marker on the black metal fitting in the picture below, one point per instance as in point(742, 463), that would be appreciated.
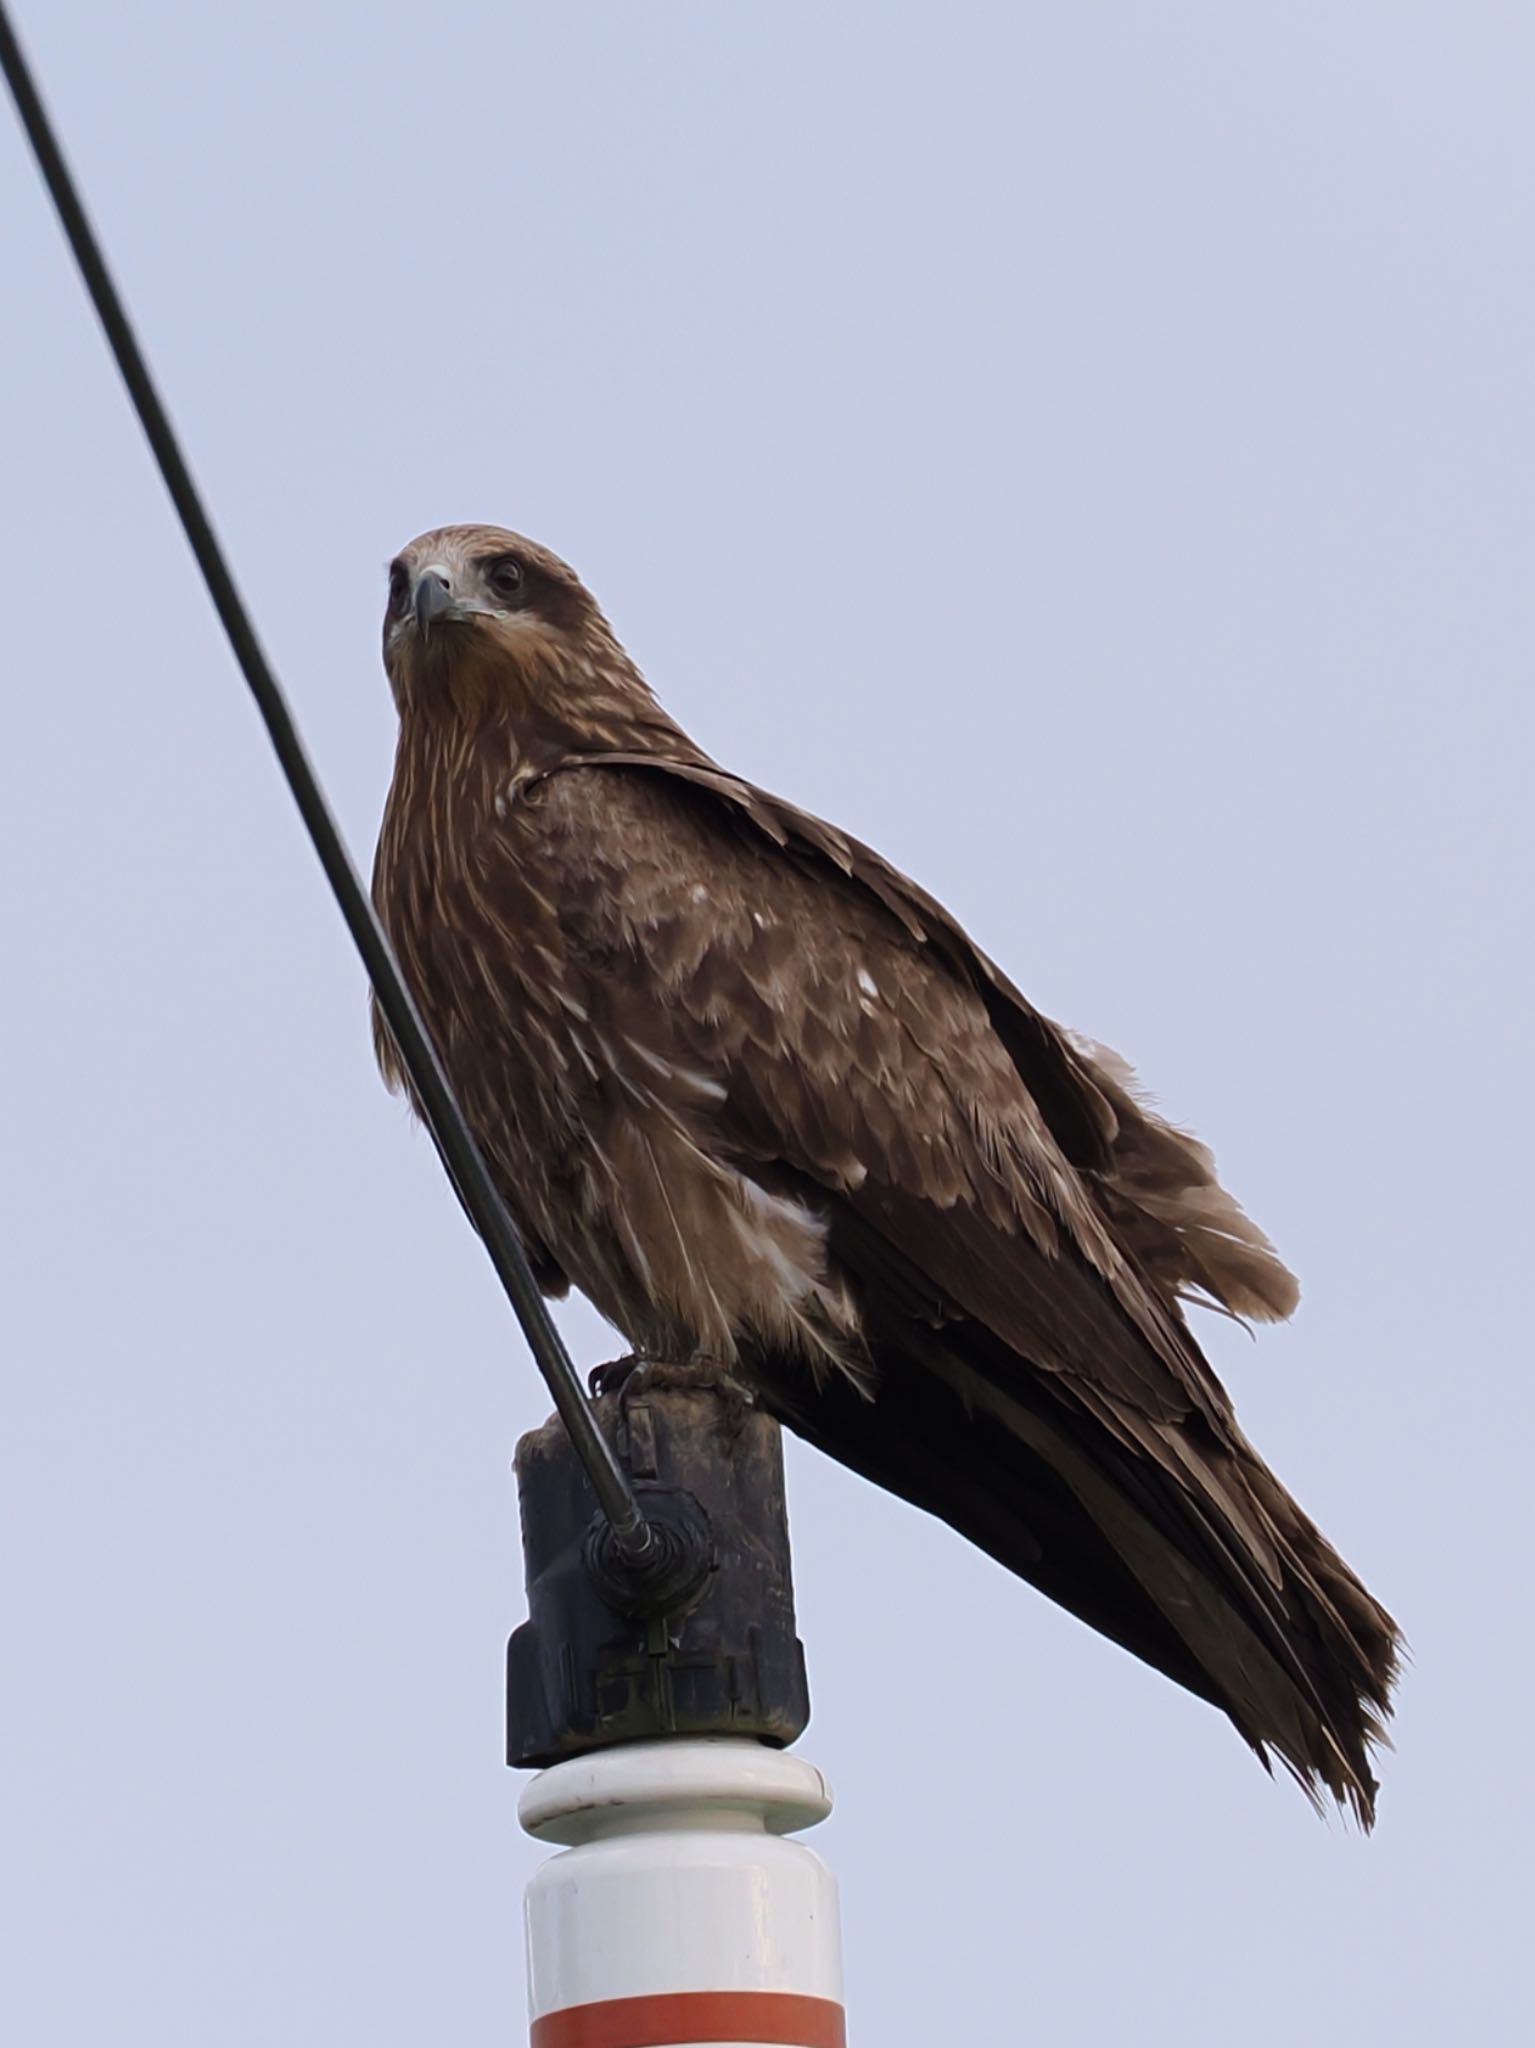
point(674, 1570)
point(694, 1638)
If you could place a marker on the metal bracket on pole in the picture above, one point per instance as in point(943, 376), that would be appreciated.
point(658, 1706)
point(704, 1647)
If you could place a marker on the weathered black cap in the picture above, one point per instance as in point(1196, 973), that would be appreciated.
point(703, 1641)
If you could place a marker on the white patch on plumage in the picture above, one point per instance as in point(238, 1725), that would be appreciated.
point(768, 1224)
point(690, 1077)
point(784, 1240)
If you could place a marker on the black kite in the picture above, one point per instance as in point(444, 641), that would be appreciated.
point(761, 1100)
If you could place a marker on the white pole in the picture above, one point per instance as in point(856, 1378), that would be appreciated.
point(678, 1913)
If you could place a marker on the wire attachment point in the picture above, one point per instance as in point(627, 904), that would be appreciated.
point(672, 1572)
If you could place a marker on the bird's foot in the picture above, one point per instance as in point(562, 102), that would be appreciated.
point(616, 1374)
point(637, 1374)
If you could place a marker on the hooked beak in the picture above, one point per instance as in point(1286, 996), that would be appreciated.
point(434, 599)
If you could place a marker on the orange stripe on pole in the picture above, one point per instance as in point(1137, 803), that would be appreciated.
point(784, 2018)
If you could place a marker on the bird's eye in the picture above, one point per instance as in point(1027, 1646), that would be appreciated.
point(399, 586)
point(504, 574)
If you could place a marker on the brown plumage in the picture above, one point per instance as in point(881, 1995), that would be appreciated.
point(761, 1100)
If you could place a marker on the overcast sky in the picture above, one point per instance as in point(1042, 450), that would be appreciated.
point(1085, 449)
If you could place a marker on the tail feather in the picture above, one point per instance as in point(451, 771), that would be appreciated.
point(1302, 1666)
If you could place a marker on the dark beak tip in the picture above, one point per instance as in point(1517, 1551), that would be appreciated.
point(433, 599)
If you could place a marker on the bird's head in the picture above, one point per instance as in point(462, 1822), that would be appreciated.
point(480, 620)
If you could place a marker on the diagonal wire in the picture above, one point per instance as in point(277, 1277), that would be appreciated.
point(459, 1152)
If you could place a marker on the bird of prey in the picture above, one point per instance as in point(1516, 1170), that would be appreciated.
point(761, 1100)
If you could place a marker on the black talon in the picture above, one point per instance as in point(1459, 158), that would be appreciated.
point(615, 1375)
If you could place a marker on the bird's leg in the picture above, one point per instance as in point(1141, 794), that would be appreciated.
point(700, 1373)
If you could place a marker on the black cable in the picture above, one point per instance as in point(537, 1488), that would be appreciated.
point(456, 1144)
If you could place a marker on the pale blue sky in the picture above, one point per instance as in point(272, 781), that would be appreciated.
point(1088, 451)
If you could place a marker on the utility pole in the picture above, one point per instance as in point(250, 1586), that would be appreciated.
point(659, 1676)
point(656, 1706)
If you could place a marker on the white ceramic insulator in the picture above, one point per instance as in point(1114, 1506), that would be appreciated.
point(678, 1910)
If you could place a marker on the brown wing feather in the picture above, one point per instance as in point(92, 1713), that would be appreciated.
point(1022, 1230)
point(1156, 1184)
